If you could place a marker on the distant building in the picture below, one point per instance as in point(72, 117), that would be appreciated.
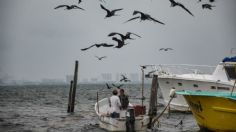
point(134, 77)
point(94, 80)
point(106, 77)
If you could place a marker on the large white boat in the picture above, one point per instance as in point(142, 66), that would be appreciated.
point(194, 77)
point(139, 120)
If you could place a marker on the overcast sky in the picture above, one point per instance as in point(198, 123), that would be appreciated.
point(37, 41)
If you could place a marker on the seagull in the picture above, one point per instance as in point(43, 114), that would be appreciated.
point(165, 49)
point(143, 17)
point(173, 4)
point(207, 6)
point(98, 45)
point(110, 13)
point(108, 87)
point(117, 86)
point(124, 78)
point(100, 58)
point(69, 7)
point(120, 43)
point(124, 37)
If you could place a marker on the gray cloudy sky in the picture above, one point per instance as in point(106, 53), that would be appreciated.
point(38, 42)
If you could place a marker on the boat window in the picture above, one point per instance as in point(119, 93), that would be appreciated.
point(213, 87)
point(231, 72)
point(180, 84)
point(195, 85)
point(223, 88)
point(167, 82)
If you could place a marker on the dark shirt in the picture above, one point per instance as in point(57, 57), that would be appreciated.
point(124, 100)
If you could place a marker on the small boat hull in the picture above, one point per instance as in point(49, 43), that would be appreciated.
point(118, 124)
point(215, 113)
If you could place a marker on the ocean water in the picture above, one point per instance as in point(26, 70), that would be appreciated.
point(43, 108)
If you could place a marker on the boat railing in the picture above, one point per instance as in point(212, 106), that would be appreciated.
point(175, 69)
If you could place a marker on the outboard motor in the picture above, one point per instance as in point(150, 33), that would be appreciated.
point(130, 120)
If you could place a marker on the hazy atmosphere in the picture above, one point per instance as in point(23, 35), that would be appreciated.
point(38, 41)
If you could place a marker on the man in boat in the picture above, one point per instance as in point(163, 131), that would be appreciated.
point(123, 99)
point(115, 105)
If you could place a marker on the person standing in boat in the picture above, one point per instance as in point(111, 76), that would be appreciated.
point(124, 99)
point(115, 105)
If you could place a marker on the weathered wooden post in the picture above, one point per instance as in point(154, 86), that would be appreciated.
point(153, 100)
point(142, 85)
point(97, 102)
point(74, 86)
point(70, 97)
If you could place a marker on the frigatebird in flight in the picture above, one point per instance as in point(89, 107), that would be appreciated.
point(124, 37)
point(207, 6)
point(117, 86)
point(98, 45)
point(110, 13)
point(69, 7)
point(100, 58)
point(120, 43)
point(108, 87)
point(165, 49)
point(124, 78)
point(143, 17)
point(174, 3)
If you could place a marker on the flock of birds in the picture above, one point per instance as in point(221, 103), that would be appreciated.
point(119, 38)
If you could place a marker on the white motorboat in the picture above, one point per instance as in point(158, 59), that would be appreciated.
point(140, 121)
point(193, 77)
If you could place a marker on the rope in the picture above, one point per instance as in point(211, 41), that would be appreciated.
point(157, 118)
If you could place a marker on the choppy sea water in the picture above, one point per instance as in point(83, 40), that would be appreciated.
point(43, 108)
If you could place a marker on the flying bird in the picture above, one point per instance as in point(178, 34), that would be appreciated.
point(149, 74)
point(165, 49)
point(173, 4)
point(110, 13)
point(143, 17)
point(69, 7)
point(124, 78)
point(117, 86)
point(98, 45)
point(100, 58)
point(124, 37)
point(108, 87)
point(207, 6)
point(120, 43)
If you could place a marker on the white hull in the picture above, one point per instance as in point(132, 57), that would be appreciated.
point(191, 77)
point(179, 102)
point(118, 124)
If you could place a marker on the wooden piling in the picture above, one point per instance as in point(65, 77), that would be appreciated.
point(70, 97)
point(97, 102)
point(153, 99)
point(74, 86)
point(142, 86)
